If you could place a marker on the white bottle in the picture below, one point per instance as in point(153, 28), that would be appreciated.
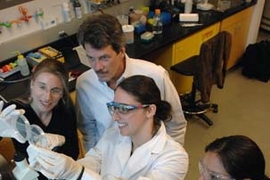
point(188, 6)
point(157, 24)
point(77, 9)
point(66, 12)
point(22, 63)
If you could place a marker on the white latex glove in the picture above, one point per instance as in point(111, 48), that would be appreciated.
point(8, 118)
point(50, 141)
point(53, 165)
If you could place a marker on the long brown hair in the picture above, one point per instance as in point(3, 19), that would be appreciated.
point(53, 67)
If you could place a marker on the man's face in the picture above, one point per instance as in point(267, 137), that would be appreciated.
point(107, 64)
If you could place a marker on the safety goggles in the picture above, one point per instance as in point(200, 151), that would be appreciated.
point(123, 108)
point(210, 175)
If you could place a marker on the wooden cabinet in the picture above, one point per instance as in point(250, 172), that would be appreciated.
point(182, 50)
point(238, 26)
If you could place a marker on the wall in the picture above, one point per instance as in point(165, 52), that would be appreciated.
point(255, 22)
point(30, 35)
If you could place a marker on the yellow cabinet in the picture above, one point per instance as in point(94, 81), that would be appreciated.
point(238, 26)
point(182, 50)
point(73, 96)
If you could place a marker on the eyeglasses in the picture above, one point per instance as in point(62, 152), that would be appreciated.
point(123, 108)
point(210, 175)
point(56, 92)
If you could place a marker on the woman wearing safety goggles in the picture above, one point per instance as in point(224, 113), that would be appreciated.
point(138, 147)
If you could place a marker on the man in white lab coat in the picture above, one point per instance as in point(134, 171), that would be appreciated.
point(104, 43)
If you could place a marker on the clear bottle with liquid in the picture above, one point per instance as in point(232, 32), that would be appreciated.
point(157, 24)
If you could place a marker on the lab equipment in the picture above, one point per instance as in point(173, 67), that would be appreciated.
point(9, 69)
point(34, 58)
point(77, 9)
point(31, 133)
point(191, 24)
point(66, 12)
point(129, 33)
point(52, 53)
point(157, 24)
point(147, 37)
point(22, 63)
point(205, 6)
point(15, 125)
point(188, 6)
point(23, 171)
point(191, 17)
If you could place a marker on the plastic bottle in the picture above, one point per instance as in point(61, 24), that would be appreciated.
point(22, 63)
point(66, 12)
point(77, 9)
point(157, 24)
point(188, 6)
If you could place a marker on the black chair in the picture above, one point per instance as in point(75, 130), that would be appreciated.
point(207, 68)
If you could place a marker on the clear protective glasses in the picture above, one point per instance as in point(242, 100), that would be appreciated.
point(123, 108)
point(55, 92)
point(211, 175)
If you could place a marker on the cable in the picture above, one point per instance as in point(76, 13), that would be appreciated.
point(14, 81)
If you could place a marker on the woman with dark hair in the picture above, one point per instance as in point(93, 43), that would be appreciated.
point(138, 148)
point(235, 157)
point(47, 104)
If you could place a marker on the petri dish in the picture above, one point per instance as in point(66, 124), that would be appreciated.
point(31, 133)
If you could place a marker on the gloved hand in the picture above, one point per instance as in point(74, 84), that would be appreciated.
point(53, 165)
point(8, 118)
point(50, 141)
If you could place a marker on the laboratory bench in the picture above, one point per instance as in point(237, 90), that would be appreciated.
point(165, 49)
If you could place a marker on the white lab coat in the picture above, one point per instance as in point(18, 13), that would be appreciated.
point(160, 158)
point(92, 96)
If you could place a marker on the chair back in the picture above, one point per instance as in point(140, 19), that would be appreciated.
point(212, 63)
